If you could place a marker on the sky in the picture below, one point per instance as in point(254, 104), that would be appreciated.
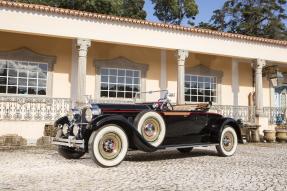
point(206, 8)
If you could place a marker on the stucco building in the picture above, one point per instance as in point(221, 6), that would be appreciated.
point(50, 57)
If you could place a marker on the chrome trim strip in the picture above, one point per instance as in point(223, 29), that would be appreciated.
point(70, 142)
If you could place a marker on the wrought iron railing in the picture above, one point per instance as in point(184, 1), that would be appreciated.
point(32, 108)
point(276, 115)
point(245, 113)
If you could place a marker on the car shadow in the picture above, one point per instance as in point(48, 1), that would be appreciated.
point(167, 155)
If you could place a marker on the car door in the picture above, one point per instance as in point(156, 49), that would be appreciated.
point(184, 127)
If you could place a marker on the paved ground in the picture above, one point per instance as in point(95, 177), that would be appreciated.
point(254, 167)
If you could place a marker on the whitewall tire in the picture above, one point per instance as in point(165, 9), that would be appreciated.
point(151, 126)
point(108, 145)
point(228, 142)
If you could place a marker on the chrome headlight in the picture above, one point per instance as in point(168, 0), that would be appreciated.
point(70, 115)
point(65, 129)
point(90, 112)
point(76, 129)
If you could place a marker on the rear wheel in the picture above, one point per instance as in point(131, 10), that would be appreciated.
point(228, 142)
point(151, 126)
point(70, 153)
point(185, 150)
point(108, 145)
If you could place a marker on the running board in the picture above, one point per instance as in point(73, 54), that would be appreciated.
point(186, 146)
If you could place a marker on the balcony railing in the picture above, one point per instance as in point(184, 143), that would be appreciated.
point(18, 108)
point(245, 113)
point(276, 115)
point(32, 108)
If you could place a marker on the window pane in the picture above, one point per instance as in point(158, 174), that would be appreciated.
point(42, 83)
point(32, 90)
point(121, 80)
point(136, 88)
point(128, 95)
point(12, 72)
point(32, 74)
point(200, 79)
point(129, 73)
point(3, 72)
point(104, 72)
point(129, 80)
point(22, 81)
point(121, 94)
point(136, 81)
point(23, 73)
point(2, 89)
point(12, 81)
point(11, 64)
point(187, 78)
point(113, 72)
point(104, 94)
point(33, 67)
point(187, 98)
point(32, 82)
point(136, 73)
point(193, 98)
point(113, 79)
point(113, 87)
point(121, 72)
point(43, 75)
point(104, 79)
point(3, 80)
point(200, 98)
point(22, 90)
point(121, 87)
point(43, 67)
point(3, 64)
point(128, 88)
point(104, 86)
point(194, 78)
point(41, 91)
point(12, 89)
point(112, 94)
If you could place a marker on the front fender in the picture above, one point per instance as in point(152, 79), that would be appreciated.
point(135, 138)
point(61, 120)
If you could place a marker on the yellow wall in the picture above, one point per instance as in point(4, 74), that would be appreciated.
point(61, 48)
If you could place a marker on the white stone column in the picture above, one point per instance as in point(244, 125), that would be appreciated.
point(181, 57)
point(259, 86)
point(235, 81)
point(163, 72)
point(82, 46)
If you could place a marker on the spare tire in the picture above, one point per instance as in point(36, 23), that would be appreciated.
point(151, 126)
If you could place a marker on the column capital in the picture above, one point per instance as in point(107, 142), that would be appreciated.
point(83, 45)
point(181, 55)
point(260, 63)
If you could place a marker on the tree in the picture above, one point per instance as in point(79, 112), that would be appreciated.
point(263, 18)
point(175, 11)
point(126, 8)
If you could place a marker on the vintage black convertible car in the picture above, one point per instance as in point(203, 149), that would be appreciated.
point(108, 131)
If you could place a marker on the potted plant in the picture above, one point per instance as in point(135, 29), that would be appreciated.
point(281, 133)
point(269, 136)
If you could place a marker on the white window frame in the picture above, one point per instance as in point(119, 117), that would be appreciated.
point(37, 86)
point(117, 83)
point(212, 85)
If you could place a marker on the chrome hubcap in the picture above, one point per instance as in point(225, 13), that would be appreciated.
point(228, 141)
point(150, 129)
point(110, 146)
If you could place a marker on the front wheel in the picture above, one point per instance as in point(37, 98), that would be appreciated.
point(108, 145)
point(228, 142)
point(70, 153)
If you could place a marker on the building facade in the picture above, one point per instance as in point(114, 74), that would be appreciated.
point(51, 58)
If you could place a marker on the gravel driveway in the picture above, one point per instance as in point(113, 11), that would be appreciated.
point(254, 167)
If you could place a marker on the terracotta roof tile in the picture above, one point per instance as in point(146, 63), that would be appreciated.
point(76, 13)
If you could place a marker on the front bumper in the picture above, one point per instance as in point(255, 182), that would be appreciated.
point(69, 142)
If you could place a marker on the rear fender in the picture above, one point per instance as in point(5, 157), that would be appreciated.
point(135, 138)
point(230, 122)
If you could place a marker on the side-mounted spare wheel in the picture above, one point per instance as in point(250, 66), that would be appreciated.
point(228, 142)
point(151, 126)
point(70, 153)
point(108, 145)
